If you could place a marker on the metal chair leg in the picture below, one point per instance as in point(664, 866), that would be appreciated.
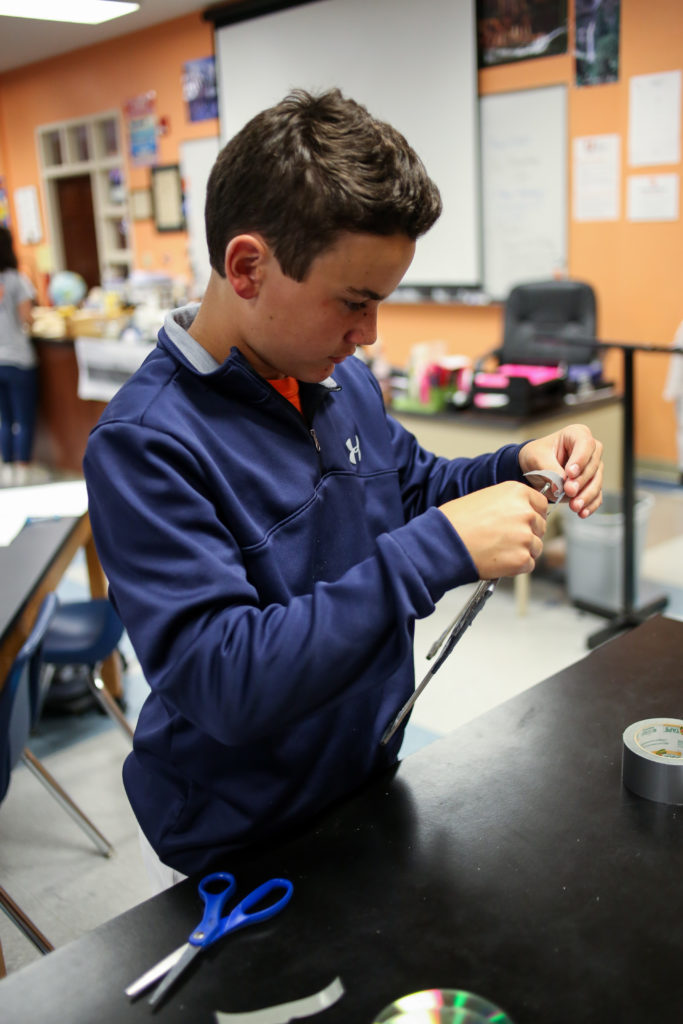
point(108, 704)
point(25, 924)
point(63, 798)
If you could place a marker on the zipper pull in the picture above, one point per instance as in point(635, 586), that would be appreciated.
point(316, 442)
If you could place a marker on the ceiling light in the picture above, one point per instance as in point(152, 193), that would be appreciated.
point(83, 12)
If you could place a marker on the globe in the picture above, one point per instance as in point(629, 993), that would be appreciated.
point(67, 288)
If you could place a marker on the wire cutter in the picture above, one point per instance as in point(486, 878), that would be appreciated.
point(215, 890)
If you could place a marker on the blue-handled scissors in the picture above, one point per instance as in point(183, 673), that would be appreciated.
point(215, 890)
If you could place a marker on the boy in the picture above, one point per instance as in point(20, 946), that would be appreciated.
point(270, 535)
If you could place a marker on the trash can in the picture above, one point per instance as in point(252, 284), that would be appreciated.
point(595, 546)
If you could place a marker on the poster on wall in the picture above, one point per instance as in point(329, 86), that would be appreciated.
point(597, 41)
point(199, 89)
point(141, 121)
point(4, 205)
point(512, 30)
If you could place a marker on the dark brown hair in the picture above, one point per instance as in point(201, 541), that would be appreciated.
point(8, 261)
point(309, 168)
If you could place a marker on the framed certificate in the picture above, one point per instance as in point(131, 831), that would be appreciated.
point(167, 198)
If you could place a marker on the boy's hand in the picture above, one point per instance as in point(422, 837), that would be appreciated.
point(577, 455)
point(502, 527)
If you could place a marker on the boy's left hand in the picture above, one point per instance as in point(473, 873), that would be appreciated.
point(577, 456)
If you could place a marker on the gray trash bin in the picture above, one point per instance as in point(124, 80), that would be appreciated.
point(595, 569)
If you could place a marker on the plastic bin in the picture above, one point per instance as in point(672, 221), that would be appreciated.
point(595, 559)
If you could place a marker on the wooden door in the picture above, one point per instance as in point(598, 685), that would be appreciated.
point(74, 202)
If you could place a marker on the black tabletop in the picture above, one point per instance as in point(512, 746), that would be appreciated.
point(506, 859)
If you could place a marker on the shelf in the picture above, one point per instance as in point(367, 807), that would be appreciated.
point(90, 147)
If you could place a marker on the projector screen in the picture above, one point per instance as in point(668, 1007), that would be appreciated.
point(412, 64)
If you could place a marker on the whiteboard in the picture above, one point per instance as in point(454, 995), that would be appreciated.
point(412, 64)
point(524, 187)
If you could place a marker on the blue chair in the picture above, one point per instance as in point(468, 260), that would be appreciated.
point(85, 633)
point(20, 701)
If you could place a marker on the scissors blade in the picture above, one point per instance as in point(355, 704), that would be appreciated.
point(154, 973)
point(183, 963)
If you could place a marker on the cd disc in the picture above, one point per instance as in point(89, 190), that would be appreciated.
point(442, 1006)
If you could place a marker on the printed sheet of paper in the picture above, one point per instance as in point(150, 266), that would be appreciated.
point(654, 113)
point(28, 215)
point(652, 197)
point(596, 177)
point(103, 366)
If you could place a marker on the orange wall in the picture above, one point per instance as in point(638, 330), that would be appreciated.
point(636, 269)
point(105, 77)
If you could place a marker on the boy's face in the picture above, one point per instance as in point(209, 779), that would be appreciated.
point(304, 329)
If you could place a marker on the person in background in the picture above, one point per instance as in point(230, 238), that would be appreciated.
point(269, 532)
point(18, 372)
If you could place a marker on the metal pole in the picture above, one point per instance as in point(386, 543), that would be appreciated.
point(629, 566)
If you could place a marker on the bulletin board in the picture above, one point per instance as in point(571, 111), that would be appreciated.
point(524, 162)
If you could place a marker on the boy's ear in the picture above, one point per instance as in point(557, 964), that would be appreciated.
point(245, 258)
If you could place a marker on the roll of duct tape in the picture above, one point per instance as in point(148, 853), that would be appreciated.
point(652, 760)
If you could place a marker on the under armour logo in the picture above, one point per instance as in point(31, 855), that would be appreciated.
point(354, 450)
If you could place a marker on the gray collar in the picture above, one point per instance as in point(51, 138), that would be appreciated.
point(176, 325)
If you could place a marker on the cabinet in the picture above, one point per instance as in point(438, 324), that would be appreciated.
point(64, 420)
point(89, 147)
point(472, 433)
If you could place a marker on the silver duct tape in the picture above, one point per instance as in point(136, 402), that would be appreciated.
point(283, 1013)
point(652, 760)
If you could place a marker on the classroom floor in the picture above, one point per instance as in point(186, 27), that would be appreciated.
point(50, 868)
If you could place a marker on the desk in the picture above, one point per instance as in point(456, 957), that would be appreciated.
point(506, 859)
point(470, 433)
point(64, 420)
point(30, 567)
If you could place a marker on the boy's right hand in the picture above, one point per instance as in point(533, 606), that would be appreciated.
point(502, 527)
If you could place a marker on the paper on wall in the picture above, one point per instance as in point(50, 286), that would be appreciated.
point(654, 115)
point(28, 215)
point(596, 177)
point(652, 197)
